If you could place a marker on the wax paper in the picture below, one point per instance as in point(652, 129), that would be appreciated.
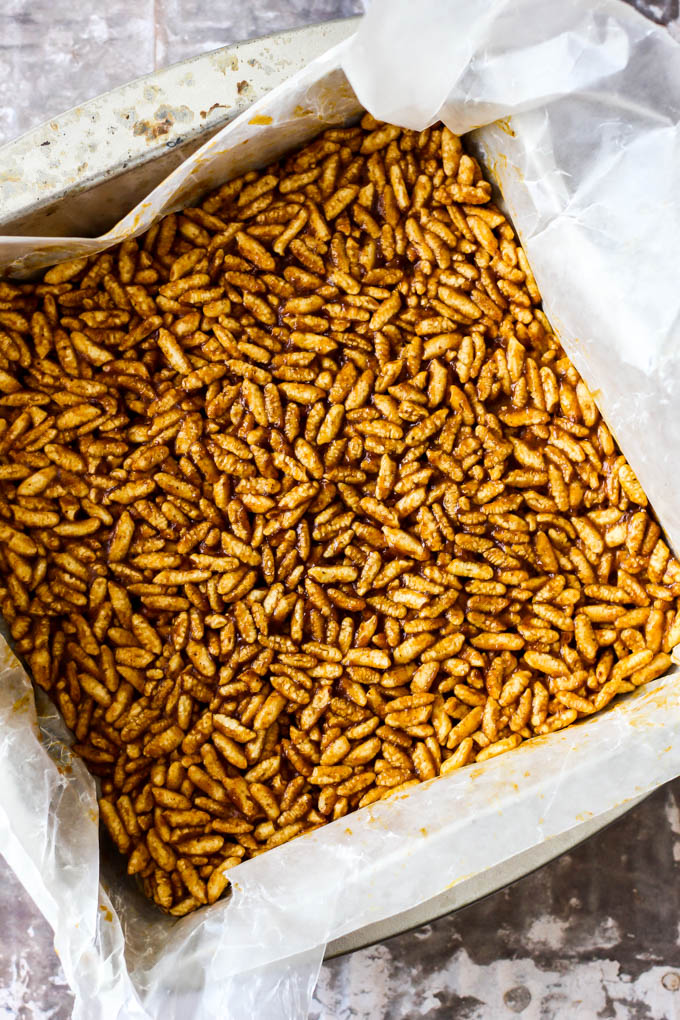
point(574, 109)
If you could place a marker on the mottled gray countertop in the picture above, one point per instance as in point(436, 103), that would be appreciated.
point(595, 934)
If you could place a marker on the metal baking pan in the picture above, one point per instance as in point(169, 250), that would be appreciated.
point(80, 172)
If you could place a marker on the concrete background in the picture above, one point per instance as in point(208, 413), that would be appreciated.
point(595, 934)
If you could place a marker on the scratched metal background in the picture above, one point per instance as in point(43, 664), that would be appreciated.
point(595, 934)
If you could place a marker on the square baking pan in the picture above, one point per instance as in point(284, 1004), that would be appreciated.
point(79, 173)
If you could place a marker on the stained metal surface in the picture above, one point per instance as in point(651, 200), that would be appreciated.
point(81, 171)
point(591, 936)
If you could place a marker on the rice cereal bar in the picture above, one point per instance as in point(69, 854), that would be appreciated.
point(302, 503)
